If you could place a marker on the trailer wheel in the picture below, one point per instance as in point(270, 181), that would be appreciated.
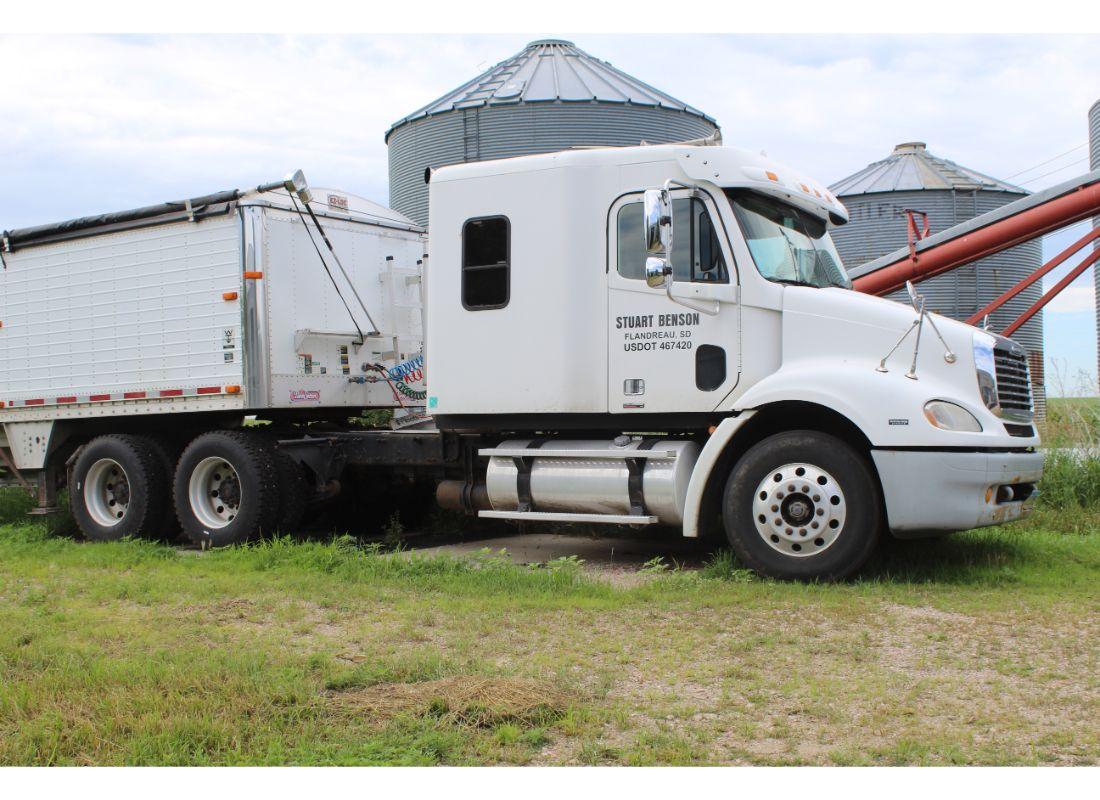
point(120, 487)
point(227, 488)
point(802, 505)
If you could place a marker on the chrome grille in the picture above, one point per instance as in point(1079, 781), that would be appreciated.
point(1013, 383)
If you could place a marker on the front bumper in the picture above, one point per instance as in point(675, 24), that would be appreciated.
point(929, 492)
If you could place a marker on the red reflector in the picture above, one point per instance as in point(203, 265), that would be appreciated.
point(133, 395)
point(35, 402)
point(171, 392)
point(210, 389)
point(98, 398)
point(66, 399)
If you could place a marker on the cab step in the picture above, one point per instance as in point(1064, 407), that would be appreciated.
point(553, 516)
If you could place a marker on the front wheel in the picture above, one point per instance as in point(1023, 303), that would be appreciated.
point(802, 505)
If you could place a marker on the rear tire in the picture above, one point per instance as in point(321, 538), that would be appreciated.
point(227, 488)
point(168, 453)
point(802, 505)
point(120, 487)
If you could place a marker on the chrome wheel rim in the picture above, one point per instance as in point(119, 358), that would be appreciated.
point(799, 510)
point(214, 492)
point(107, 492)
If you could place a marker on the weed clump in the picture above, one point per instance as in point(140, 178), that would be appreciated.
point(470, 700)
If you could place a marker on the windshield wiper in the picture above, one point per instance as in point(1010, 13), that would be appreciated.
point(793, 282)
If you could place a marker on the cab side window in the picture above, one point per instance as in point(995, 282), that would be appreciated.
point(696, 253)
point(486, 252)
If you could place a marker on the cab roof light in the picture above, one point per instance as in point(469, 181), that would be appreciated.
point(772, 176)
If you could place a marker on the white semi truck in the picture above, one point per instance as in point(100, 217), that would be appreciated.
point(653, 335)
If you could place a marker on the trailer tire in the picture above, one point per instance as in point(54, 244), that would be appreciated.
point(227, 488)
point(119, 487)
point(168, 454)
point(802, 505)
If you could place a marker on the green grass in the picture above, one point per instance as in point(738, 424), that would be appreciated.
point(977, 649)
point(1071, 422)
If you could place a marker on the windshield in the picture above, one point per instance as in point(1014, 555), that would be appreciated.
point(787, 244)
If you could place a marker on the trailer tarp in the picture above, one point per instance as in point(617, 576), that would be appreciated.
point(200, 207)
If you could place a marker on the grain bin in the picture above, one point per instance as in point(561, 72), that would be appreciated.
point(1094, 163)
point(911, 178)
point(550, 96)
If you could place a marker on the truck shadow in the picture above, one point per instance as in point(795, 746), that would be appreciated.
point(610, 547)
point(951, 559)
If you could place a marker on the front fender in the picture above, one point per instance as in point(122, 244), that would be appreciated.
point(704, 465)
point(887, 407)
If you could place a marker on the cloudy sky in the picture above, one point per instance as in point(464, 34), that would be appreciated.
point(99, 123)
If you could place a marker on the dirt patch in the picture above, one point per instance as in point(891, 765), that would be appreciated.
point(466, 699)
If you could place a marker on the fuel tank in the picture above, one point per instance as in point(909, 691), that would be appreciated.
point(600, 483)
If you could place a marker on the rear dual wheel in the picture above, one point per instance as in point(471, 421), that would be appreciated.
point(120, 487)
point(236, 486)
point(802, 505)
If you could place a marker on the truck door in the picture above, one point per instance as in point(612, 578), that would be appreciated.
point(663, 356)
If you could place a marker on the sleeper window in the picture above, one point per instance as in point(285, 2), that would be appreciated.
point(485, 263)
point(696, 253)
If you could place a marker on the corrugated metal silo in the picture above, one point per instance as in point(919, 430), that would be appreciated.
point(550, 96)
point(1094, 163)
point(877, 198)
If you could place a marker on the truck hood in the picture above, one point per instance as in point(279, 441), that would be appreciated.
point(833, 341)
point(874, 321)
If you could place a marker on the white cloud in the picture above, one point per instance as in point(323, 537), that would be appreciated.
point(1073, 300)
point(97, 122)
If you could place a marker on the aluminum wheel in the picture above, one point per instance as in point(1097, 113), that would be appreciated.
point(799, 510)
point(214, 492)
point(107, 492)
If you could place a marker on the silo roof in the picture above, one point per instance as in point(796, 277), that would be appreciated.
point(912, 168)
point(550, 70)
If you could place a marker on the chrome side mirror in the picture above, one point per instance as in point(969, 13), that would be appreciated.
point(658, 222)
point(657, 272)
point(657, 228)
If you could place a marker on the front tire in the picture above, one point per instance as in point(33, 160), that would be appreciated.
point(120, 487)
point(802, 505)
point(227, 488)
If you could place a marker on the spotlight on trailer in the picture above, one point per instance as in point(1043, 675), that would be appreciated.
point(295, 183)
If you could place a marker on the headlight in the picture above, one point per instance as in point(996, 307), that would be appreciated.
point(986, 368)
point(950, 417)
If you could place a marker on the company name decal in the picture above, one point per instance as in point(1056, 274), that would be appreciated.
point(305, 396)
point(646, 332)
point(662, 321)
